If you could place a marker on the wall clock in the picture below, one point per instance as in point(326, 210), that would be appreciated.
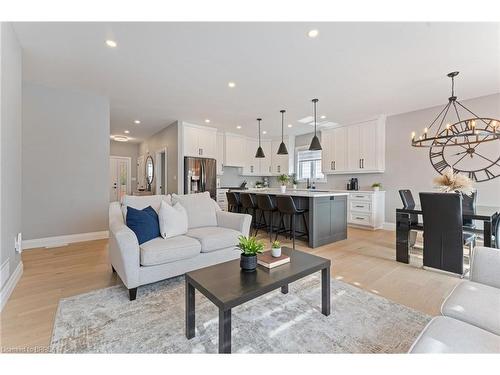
point(470, 147)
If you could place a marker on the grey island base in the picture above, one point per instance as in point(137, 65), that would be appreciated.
point(326, 216)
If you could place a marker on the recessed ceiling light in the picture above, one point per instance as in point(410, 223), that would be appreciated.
point(313, 33)
point(137, 121)
point(264, 132)
point(238, 127)
point(111, 43)
point(120, 138)
point(207, 121)
point(323, 117)
point(126, 132)
point(232, 84)
point(290, 125)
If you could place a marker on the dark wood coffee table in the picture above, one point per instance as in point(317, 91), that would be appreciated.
point(227, 286)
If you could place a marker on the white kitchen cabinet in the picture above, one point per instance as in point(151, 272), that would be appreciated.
point(251, 165)
point(334, 154)
point(366, 209)
point(357, 148)
point(235, 151)
point(220, 145)
point(279, 163)
point(265, 163)
point(199, 141)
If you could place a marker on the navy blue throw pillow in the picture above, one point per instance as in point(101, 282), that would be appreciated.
point(144, 223)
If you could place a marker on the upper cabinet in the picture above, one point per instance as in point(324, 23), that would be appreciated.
point(235, 150)
point(199, 141)
point(280, 163)
point(357, 148)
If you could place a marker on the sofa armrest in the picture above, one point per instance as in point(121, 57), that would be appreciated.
point(231, 220)
point(124, 250)
point(485, 266)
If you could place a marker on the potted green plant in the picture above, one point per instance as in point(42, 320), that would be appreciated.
point(249, 247)
point(283, 179)
point(293, 177)
point(376, 186)
point(276, 249)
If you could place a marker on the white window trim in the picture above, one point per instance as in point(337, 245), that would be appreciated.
point(315, 180)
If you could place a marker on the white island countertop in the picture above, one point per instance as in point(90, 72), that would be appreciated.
point(295, 192)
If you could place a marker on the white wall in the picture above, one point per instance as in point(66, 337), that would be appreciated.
point(65, 163)
point(169, 138)
point(10, 155)
point(408, 167)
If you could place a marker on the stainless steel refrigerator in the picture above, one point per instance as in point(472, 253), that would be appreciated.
point(200, 174)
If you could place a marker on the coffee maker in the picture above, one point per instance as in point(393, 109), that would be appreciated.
point(352, 184)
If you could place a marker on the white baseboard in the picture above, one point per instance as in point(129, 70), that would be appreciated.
point(10, 285)
point(389, 226)
point(64, 240)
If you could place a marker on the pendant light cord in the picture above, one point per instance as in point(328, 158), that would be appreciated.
point(282, 122)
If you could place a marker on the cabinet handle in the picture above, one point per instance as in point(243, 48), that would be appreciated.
point(269, 169)
point(359, 196)
point(279, 168)
point(334, 165)
point(359, 163)
point(360, 218)
point(363, 163)
point(359, 206)
point(331, 165)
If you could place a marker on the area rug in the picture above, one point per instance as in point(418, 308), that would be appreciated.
point(105, 321)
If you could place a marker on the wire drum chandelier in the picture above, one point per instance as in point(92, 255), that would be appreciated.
point(467, 134)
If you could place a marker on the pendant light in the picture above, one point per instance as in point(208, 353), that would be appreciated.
point(260, 152)
point(315, 145)
point(282, 149)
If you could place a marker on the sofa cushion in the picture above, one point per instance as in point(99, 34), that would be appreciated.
point(144, 223)
point(448, 335)
point(214, 238)
point(140, 202)
point(160, 250)
point(476, 304)
point(200, 209)
point(173, 220)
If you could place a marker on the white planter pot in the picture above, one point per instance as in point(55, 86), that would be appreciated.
point(283, 188)
point(276, 252)
point(376, 188)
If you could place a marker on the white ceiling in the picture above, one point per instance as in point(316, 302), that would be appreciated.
point(161, 72)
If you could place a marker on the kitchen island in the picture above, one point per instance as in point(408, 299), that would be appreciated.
point(326, 217)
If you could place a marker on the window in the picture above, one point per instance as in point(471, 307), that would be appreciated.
point(308, 164)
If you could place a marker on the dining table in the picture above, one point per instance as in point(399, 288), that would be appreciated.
point(489, 215)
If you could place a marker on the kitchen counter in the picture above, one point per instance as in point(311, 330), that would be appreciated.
point(326, 216)
point(297, 192)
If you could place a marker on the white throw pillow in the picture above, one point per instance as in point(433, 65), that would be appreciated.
point(173, 220)
point(200, 208)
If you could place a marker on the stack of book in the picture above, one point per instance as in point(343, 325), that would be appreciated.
point(267, 260)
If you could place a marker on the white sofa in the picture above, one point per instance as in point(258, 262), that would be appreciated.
point(470, 321)
point(211, 238)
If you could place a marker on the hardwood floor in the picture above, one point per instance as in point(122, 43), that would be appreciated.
point(365, 259)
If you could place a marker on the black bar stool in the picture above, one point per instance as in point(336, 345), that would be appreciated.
point(286, 206)
point(233, 202)
point(265, 204)
point(248, 203)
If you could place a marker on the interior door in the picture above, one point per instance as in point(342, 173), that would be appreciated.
point(119, 178)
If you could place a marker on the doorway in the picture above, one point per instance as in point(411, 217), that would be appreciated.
point(119, 177)
point(161, 171)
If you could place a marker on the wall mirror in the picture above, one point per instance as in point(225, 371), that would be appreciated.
point(149, 171)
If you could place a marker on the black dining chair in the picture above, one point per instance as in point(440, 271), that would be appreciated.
point(409, 202)
point(444, 238)
point(249, 205)
point(266, 205)
point(469, 204)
